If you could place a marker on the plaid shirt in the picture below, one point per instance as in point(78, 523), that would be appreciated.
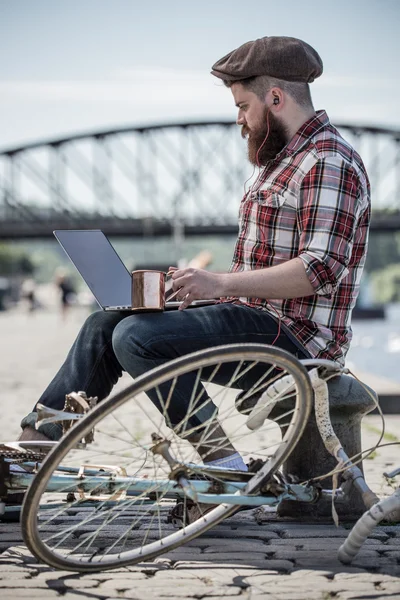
point(312, 201)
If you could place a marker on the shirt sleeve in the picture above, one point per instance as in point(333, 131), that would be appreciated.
point(327, 220)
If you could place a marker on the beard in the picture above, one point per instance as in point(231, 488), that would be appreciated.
point(271, 146)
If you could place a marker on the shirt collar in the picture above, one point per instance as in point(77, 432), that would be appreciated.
point(305, 133)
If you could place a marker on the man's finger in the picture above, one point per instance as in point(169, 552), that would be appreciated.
point(174, 295)
point(186, 302)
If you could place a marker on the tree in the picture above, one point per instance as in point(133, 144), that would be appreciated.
point(14, 261)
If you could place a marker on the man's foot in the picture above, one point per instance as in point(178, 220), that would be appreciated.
point(29, 434)
point(183, 514)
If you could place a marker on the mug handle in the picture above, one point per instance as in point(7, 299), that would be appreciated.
point(174, 294)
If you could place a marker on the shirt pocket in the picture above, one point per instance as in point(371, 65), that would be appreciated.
point(268, 199)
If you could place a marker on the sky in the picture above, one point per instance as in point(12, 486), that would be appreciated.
point(87, 65)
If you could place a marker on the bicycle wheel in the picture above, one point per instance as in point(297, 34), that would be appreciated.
point(104, 526)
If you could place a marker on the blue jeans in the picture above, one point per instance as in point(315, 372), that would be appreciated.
point(112, 342)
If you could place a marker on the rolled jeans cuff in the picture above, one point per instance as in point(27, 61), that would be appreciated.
point(51, 430)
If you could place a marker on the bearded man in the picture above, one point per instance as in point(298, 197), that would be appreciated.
point(298, 258)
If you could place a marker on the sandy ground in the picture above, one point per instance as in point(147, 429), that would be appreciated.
point(32, 348)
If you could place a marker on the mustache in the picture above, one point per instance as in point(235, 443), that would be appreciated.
point(245, 131)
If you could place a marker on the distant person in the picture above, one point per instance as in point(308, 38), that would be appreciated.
point(28, 293)
point(298, 260)
point(66, 289)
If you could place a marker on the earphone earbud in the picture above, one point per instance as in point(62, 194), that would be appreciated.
point(276, 100)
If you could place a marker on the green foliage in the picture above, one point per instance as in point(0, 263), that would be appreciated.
point(383, 250)
point(15, 261)
point(386, 284)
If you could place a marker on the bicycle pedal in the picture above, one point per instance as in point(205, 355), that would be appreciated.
point(176, 515)
point(392, 474)
point(254, 465)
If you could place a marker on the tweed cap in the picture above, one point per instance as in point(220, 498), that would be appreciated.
point(284, 58)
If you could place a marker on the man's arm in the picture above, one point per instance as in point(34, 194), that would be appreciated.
point(327, 217)
point(288, 280)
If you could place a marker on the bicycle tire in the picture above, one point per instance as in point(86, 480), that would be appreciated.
point(243, 353)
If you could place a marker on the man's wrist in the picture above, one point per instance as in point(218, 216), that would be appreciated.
point(224, 285)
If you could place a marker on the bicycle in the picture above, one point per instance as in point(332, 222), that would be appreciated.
point(84, 516)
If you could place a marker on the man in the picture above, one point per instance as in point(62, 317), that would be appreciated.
point(299, 254)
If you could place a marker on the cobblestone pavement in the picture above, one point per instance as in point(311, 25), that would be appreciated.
point(241, 558)
point(236, 559)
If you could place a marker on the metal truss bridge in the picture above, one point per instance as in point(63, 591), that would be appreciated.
point(159, 180)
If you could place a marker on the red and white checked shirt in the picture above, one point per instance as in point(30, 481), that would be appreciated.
point(312, 201)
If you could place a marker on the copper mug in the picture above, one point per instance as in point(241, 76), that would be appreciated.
point(148, 291)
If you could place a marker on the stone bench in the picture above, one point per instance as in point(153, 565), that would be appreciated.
point(349, 402)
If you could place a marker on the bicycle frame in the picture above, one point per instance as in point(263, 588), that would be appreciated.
point(196, 490)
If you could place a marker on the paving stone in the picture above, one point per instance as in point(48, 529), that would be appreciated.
point(279, 580)
point(284, 594)
point(222, 570)
point(4, 546)
point(12, 536)
point(16, 574)
point(21, 583)
point(359, 585)
point(176, 555)
point(18, 570)
point(392, 585)
point(210, 553)
point(240, 567)
point(317, 542)
point(368, 577)
point(227, 597)
point(5, 560)
point(226, 543)
point(46, 574)
point(79, 596)
point(106, 587)
point(301, 573)
point(384, 547)
point(76, 583)
point(379, 535)
point(271, 548)
point(356, 596)
point(257, 532)
point(391, 570)
point(316, 556)
point(190, 550)
point(31, 593)
point(391, 553)
point(244, 546)
point(391, 529)
point(197, 590)
point(312, 530)
point(335, 567)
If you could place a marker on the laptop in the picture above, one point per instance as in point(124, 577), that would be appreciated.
point(103, 270)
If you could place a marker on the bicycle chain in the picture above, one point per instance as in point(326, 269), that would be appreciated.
point(19, 457)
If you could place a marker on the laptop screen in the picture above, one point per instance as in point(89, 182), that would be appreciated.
point(99, 264)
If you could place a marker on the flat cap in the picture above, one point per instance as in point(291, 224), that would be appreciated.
point(284, 58)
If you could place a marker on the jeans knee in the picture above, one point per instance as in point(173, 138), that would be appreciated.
point(131, 341)
point(123, 341)
point(100, 322)
point(95, 320)
point(118, 339)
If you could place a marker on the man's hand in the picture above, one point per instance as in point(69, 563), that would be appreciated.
point(194, 284)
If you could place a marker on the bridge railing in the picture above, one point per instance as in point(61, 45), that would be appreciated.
point(155, 179)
